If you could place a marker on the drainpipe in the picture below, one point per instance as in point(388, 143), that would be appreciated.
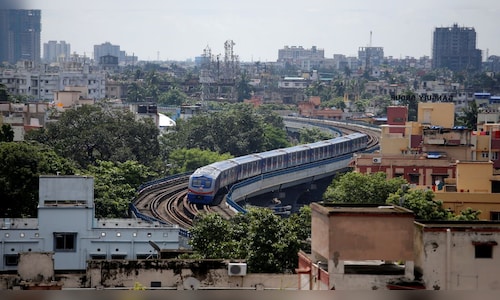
point(448, 260)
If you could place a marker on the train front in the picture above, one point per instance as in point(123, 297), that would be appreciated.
point(200, 189)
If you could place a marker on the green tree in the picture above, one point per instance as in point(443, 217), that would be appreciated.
point(355, 187)
point(268, 242)
point(243, 87)
point(21, 164)
point(212, 237)
point(6, 133)
point(93, 133)
point(469, 116)
point(173, 97)
point(422, 203)
point(115, 186)
point(426, 208)
point(311, 135)
point(274, 138)
point(184, 160)
point(237, 130)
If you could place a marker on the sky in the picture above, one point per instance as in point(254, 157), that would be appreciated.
point(182, 29)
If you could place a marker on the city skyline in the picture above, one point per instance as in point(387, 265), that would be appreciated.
point(168, 30)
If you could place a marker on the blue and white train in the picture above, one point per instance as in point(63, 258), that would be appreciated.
point(209, 181)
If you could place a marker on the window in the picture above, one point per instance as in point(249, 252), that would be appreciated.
point(495, 215)
point(118, 256)
point(64, 242)
point(414, 178)
point(11, 259)
point(483, 251)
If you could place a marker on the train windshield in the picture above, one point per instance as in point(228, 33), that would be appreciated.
point(201, 182)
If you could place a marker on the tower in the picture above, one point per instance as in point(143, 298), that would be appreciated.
point(455, 48)
point(20, 35)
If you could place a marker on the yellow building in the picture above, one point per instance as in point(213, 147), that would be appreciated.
point(476, 187)
point(436, 114)
point(434, 150)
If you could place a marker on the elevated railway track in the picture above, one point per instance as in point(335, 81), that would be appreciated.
point(165, 200)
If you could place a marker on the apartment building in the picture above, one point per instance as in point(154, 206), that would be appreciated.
point(42, 85)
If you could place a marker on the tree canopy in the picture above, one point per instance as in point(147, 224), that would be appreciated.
point(92, 133)
point(355, 187)
point(238, 130)
point(21, 164)
point(311, 135)
point(115, 185)
point(425, 207)
point(184, 160)
point(268, 242)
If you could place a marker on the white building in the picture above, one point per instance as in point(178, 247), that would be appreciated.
point(66, 226)
point(54, 51)
point(42, 85)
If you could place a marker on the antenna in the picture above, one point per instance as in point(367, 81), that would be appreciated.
point(370, 39)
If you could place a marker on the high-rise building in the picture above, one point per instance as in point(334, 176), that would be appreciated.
point(106, 49)
point(455, 48)
point(306, 59)
point(370, 57)
point(54, 51)
point(20, 35)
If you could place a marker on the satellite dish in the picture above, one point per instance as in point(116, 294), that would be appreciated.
point(191, 283)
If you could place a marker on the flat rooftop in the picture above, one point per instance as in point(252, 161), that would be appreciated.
point(360, 209)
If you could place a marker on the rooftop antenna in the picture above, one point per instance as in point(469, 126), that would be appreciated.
point(370, 39)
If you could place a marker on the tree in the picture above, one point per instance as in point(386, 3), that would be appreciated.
point(422, 203)
point(173, 97)
point(243, 87)
point(212, 237)
point(21, 164)
point(268, 242)
point(184, 160)
point(6, 133)
point(469, 116)
point(115, 185)
point(92, 133)
point(354, 187)
point(311, 135)
point(237, 130)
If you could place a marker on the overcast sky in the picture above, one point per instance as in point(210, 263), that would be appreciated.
point(181, 29)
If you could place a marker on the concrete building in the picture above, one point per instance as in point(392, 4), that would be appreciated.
point(54, 51)
point(106, 49)
point(305, 59)
point(370, 57)
point(42, 85)
point(23, 117)
point(377, 248)
point(460, 164)
point(357, 247)
point(66, 226)
point(455, 48)
point(20, 35)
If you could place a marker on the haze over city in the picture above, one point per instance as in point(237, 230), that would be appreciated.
point(180, 30)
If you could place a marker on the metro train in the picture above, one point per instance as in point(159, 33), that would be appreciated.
point(207, 182)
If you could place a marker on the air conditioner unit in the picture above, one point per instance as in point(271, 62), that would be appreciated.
point(237, 269)
point(377, 160)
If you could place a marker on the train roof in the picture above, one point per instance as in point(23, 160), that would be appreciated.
point(297, 148)
point(246, 159)
point(222, 165)
point(272, 153)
